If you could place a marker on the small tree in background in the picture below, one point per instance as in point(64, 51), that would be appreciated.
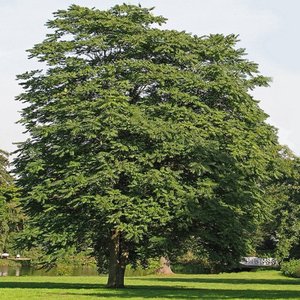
point(139, 138)
point(284, 226)
point(5, 177)
point(10, 214)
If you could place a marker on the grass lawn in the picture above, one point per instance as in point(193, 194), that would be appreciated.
point(246, 285)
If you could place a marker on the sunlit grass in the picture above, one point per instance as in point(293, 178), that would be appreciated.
point(246, 285)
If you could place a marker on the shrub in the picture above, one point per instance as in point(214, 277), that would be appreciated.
point(64, 270)
point(291, 268)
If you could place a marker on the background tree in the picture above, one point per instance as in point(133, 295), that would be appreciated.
point(284, 226)
point(140, 137)
point(10, 215)
point(278, 233)
point(5, 177)
point(277, 192)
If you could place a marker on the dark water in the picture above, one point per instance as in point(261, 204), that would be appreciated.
point(63, 270)
point(67, 270)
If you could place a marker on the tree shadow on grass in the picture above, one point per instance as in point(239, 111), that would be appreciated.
point(290, 281)
point(194, 293)
point(166, 292)
point(50, 285)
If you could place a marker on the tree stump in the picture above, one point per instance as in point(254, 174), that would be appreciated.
point(165, 267)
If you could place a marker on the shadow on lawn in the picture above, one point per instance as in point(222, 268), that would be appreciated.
point(290, 281)
point(166, 292)
point(185, 294)
point(50, 285)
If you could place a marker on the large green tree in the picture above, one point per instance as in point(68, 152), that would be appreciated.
point(139, 138)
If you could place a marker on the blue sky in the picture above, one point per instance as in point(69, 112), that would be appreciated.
point(268, 29)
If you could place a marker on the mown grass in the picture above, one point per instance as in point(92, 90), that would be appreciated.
point(246, 285)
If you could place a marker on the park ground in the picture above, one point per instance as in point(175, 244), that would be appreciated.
point(245, 285)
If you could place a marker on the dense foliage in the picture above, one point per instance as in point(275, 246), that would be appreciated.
point(141, 138)
point(287, 210)
point(10, 215)
point(291, 268)
point(5, 177)
point(278, 234)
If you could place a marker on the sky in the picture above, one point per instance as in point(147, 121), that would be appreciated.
point(268, 29)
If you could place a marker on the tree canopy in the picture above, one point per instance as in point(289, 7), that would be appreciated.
point(139, 138)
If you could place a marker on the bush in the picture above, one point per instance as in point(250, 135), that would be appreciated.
point(196, 262)
point(192, 268)
point(10, 263)
point(64, 270)
point(148, 267)
point(291, 268)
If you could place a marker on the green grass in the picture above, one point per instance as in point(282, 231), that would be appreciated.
point(246, 285)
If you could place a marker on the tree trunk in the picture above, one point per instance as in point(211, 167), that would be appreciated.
point(165, 266)
point(117, 262)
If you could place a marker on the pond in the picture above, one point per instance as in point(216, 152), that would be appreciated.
point(61, 270)
point(64, 270)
